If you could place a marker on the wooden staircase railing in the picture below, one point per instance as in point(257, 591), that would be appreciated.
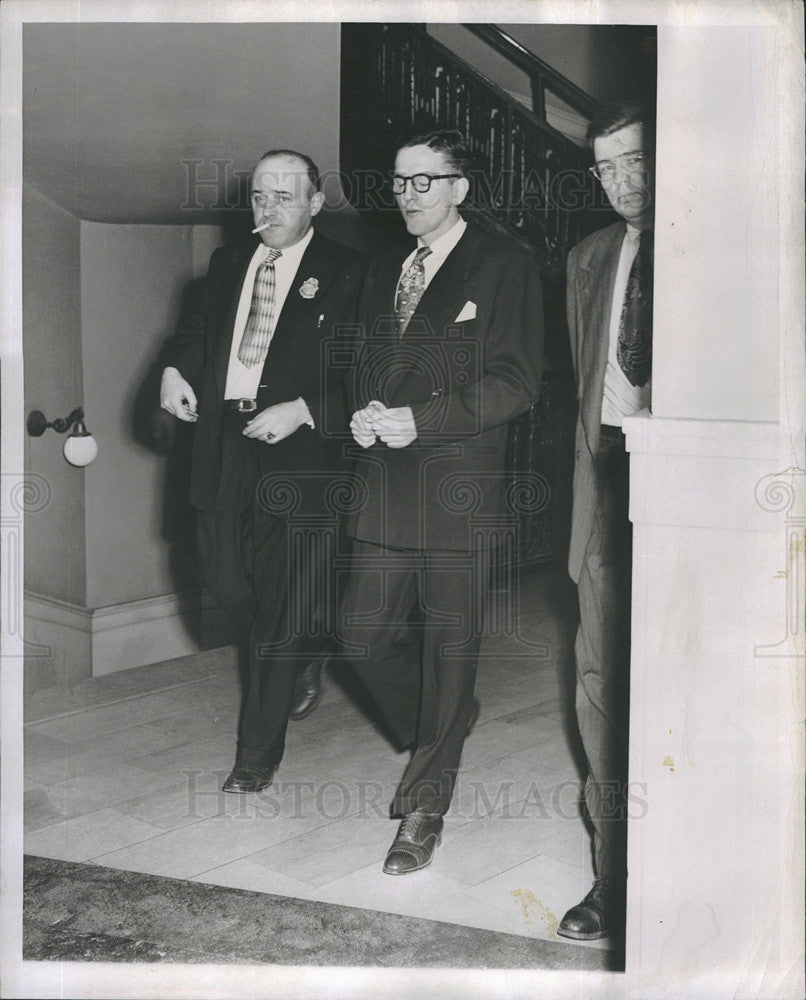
point(542, 76)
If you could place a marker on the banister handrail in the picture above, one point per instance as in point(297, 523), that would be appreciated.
point(539, 119)
point(539, 72)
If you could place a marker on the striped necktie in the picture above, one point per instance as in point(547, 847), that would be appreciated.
point(260, 323)
point(634, 349)
point(410, 290)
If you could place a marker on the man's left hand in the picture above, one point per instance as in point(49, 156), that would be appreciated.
point(395, 427)
point(277, 422)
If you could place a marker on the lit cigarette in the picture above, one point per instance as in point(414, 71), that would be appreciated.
point(264, 226)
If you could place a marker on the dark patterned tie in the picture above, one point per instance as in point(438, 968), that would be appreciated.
point(257, 332)
point(634, 350)
point(410, 290)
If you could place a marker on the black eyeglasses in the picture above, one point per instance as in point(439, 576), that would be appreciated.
point(629, 164)
point(420, 182)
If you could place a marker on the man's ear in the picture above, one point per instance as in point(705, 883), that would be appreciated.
point(317, 200)
point(459, 190)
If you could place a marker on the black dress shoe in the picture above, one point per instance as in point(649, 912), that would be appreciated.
point(244, 779)
point(413, 847)
point(308, 691)
point(600, 914)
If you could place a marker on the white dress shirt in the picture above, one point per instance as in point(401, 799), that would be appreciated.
point(243, 382)
point(621, 398)
point(440, 249)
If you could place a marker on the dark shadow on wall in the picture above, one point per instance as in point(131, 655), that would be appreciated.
point(162, 434)
point(165, 435)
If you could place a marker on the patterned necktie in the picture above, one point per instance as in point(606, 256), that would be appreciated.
point(634, 349)
point(410, 290)
point(259, 325)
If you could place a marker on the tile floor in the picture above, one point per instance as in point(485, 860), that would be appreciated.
point(125, 771)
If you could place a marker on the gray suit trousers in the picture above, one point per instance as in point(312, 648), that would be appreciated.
point(603, 657)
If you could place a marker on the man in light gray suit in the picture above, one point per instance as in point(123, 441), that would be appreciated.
point(610, 326)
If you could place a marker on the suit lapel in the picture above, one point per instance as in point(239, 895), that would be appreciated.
point(597, 278)
point(317, 262)
point(439, 305)
point(437, 309)
point(378, 314)
point(439, 300)
point(384, 287)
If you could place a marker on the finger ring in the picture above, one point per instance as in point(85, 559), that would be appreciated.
point(269, 435)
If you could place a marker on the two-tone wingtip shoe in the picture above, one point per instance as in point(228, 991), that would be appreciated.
point(413, 848)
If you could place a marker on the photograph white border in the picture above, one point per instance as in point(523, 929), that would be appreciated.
point(650, 972)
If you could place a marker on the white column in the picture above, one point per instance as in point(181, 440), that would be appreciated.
point(716, 861)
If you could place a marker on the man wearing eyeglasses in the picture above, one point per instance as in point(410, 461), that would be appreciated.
point(610, 325)
point(451, 351)
point(246, 369)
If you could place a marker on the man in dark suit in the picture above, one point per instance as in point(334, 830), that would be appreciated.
point(452, 350)
point(610, 325)
point(246, 369)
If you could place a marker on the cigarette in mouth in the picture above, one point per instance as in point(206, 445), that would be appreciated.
point(264, 226)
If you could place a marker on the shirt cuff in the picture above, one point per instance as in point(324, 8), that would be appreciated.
point(309, 419)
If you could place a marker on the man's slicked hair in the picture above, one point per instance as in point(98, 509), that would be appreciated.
point(450, 143)
point(617, 116)
point(310, 167)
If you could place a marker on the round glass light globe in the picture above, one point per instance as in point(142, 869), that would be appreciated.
point(80, 449)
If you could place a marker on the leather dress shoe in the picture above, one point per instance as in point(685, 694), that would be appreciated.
point(600, 914)
point(244, 779)
point(474, 716)
point(413, 848)
point(308, 691)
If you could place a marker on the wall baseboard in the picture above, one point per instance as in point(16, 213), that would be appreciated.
point(66, 643)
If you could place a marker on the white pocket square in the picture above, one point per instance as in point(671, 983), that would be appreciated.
point(468, 312)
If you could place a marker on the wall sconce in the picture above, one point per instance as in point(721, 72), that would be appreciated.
point(80, 447)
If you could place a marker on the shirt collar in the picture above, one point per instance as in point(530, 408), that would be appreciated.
point(291, 254)
point(441, 247)
point(633, 234)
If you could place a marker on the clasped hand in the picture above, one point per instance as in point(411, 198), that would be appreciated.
point(279, 421)
point(394, 426)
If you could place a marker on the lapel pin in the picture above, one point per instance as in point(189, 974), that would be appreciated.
point(309, 288)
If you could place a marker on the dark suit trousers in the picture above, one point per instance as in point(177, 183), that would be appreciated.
point(603, 656)
point(417, 616)
point(276, 597)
